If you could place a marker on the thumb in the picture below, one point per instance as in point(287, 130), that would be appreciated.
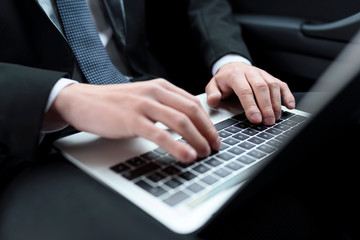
point(213, 93)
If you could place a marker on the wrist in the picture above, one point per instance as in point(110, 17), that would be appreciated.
point(229, 58)
point(58, 87)
point(53, 121)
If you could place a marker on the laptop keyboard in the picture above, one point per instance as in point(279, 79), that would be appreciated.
point(243, 145)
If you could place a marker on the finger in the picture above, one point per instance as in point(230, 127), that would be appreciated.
point(262, 95)
point(213, 93)
point(246, 96)
point(182, 152)
point(193, 110)
point(289, 99)
point(275, 93)
point(180, 123)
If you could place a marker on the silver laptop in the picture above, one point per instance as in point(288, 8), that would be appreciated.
point(185, 197)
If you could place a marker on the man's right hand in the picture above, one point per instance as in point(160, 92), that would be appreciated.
point(130, 110)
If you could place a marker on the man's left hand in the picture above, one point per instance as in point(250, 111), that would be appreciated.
point(259, 92)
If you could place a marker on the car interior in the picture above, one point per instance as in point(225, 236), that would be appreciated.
point(297, 40)
point(293, 40)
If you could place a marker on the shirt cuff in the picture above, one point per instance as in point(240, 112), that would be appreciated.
point(50, 127)
point(59, 85)
point(229, 58)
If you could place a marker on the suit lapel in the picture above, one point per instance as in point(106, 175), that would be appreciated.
point(115, 11)
point(48, 6)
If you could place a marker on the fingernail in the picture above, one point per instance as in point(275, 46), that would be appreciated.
point(277, 115)
point(192, 155)
point(215, 95)
point(217, 144)
point(269, 121)
point(291, 105)
point(206, 153)
point(213, 99)
point(256, 117)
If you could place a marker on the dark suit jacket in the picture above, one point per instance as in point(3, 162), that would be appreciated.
point(161, 35)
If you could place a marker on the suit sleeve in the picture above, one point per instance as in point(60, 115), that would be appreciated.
point(24, 93)
point(215, 29)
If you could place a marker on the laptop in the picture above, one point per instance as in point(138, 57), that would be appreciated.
point(188, 197)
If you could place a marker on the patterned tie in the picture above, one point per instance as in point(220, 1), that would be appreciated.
point(85, 42)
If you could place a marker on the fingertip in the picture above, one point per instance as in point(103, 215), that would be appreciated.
point(277, 115)
point(269, 121)
point(255, 118)
point(213, 99)
point(190, 156)
point(291, 105)
point(289, 100)
point(217, 144)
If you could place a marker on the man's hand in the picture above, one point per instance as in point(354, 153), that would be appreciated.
point(129, 110)
point(259, 92)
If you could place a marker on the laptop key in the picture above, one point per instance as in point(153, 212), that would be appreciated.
point(201, 168)
point(150, 155)
point(195, 187)
point(245, 159)
point(298, 118)
point(136, 161)
point(240, 136)
point(275, 143)
point(166, 160)
point(234, 166)
point(223, 147)
point(256, 154)
point(183, 165)
point(224, 134)
point(246, 145)
point(138, 172)
point(224, 124)
point(273, 131)
point(209, 180)
point(244, 124)
point(225, 156)
point(222, 172)
point(233, 129)
point(286, 114)
point(236, 150)
point(250, 132)
point(173, 183)
point(213, 162)
point(156, 191)
point(171, 170)
point(265, 135)
point(282, 127)
point(231, 141)
point(260, 127)
point(266, 148)
point(156, 177)
point(289, 123)
point(187, 175)
point(256, 140)
point(176, 198)
point(289, 133)
point(282, 138)
point(120, 167)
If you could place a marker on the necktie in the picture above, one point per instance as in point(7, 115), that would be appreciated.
point(85, 42)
